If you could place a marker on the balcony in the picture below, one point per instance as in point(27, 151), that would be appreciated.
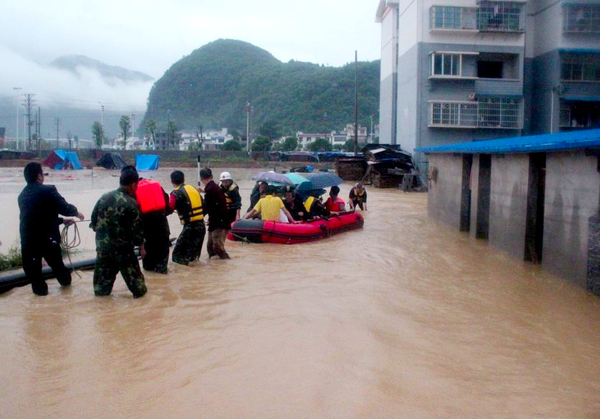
point(498, 87)
point(489, 113)
point(497, 16)
point(581, 18)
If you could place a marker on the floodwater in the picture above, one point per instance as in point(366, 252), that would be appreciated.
point(403, 319)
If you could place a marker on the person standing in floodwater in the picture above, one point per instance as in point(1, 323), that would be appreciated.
point(40, 206)
point(117, 221)
point(188, 202)
point(215, 205)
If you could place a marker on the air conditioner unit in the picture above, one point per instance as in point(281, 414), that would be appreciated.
point(472, 96)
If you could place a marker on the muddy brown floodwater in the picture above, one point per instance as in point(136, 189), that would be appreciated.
point(403, 319)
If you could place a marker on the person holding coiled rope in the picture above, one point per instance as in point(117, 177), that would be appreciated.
point(40, 206)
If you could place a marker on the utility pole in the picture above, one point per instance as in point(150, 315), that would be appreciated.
point(167, 131)
point(371, 116)
point(18, 89)
point(355, 103)
point(249, 110)
point(28, 104)
point(39, 131)
point(132, 125)
point(57, 122)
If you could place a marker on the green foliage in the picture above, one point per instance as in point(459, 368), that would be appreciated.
point(270, 130)
point(11, 260)
point(320, 144)
point(290, 144)
point(376, 140)
point(261, 144)
point(194, 146)
point(338, 147)
point(214, 83)
point(125, 125)
point(349, 146)
point(235, 134)
point(232, 145)
point(151, 129)
point(98, 134)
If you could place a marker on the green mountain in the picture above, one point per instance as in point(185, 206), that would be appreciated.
point(72, 62)
point(213, 84)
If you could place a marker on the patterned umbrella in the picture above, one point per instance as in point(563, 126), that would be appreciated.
point(319, 181)
point(273, 178)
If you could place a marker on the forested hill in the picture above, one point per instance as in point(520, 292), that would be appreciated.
point(213, 84)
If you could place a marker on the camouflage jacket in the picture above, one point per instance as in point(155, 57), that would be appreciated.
point(117, 221)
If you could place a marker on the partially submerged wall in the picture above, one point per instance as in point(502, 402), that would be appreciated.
point(445, 190)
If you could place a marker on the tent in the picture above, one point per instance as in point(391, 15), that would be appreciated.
point(111, 161)
point(146, 162)
point(61, 160)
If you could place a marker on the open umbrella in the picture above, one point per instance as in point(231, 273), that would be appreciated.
point(296, 178)
point(272, 177)
point(319, 181)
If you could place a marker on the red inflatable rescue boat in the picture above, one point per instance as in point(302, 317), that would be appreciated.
point(258, 231)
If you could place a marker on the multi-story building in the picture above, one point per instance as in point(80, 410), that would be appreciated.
point(565, 39)
point(461, 70)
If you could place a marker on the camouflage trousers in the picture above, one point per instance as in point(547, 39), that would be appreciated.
point(110, 263)
point(189, 243)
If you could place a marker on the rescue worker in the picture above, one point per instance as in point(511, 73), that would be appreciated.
point(154, 206)
point(259, 191)
point(232, 197)
point(314, 205)
point(188, 202)
point(216, 209)
point(334, 203)
point(117, 221)
point(358, 197)
point(40, 206)
point(293, 203)
point(270, 207)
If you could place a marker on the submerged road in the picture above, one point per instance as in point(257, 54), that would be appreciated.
point(403, 319)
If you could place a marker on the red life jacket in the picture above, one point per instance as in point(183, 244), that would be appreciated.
point(150, 196)
point(334, 206)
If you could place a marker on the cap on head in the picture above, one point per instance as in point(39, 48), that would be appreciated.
point(359, 185)
point(225, 176)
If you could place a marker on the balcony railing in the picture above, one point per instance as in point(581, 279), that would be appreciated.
point(488, 17)
point(581, 18)
point(492, 113)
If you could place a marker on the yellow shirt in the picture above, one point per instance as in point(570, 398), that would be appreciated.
point(269, 207)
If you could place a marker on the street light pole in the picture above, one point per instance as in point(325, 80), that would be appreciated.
point(371, 116)
point(18, 89)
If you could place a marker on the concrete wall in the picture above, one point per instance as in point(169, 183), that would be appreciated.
point(389, 59)
point(572, 192)
point(508, 204)
point(408, 79)
point(445, 193)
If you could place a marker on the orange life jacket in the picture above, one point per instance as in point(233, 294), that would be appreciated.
point(334, 206)
point(150, 196)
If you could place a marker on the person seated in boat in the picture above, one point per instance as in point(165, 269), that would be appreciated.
point(358, 197)
point(293, 203)
point(314, 205)
point(259, 191)
point(334, 203)
point(270, 208)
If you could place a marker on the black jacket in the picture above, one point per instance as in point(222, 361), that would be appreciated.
point(40, 206)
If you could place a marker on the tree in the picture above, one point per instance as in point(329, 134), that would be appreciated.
point(290, 144)
point(321, 144)
point(125, 124)
point(269, 129)
point(261, 144)
point(235, 134)
point(376, 140)
point(171, 129)
point(151, 130)
point(98, 134)
point(349, 145)
point(232, 145)
point(338, 147)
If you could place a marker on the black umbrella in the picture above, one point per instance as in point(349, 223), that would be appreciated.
point(319, 181)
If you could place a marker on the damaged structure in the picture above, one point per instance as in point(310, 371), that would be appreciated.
point(534, 197)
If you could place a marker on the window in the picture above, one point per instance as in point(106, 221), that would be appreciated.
point(490, 112)
point(446, 64)
point(581, 18)
point(489, 69)
point(580, 72)
point(448, 17)
point(499, 16)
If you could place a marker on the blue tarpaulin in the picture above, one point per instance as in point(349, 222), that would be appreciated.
point(146, 162)
point(61, 159)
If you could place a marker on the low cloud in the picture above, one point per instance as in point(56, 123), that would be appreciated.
point(82, 89)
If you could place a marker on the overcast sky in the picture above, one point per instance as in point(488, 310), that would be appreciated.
point(149, 36)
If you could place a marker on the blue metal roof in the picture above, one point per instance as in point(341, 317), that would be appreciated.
point(530, 144)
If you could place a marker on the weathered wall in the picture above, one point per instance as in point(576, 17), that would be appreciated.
point(508, 204)
point(445, 193)
point(572, 191)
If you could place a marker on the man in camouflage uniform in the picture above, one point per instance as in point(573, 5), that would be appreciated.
point(117, 222)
